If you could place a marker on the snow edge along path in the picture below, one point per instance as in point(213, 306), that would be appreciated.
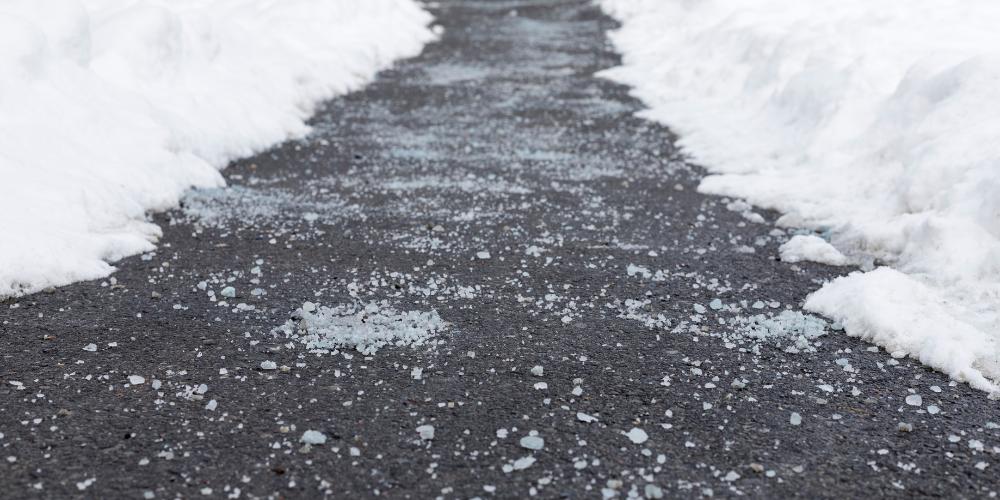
point(113, 108)
point(854, 119)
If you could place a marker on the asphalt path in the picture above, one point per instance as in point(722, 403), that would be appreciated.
point(560, 275)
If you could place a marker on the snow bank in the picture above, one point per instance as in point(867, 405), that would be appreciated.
point(873, 121)
point(110, 108)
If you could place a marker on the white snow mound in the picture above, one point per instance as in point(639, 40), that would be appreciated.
point(111, 108)
point(803, 247)
point(872, 121)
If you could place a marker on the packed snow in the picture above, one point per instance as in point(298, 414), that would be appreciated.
point(112, 108)
point(873, 122)
point(803, 247)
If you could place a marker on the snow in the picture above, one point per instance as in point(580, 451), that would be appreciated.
point(871, 123)
point(112, 108)
point(811, 248)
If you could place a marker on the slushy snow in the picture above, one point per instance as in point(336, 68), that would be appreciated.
point(112, 108)
point(873, 122)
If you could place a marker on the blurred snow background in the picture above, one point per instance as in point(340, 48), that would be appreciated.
point(111, 108)
point(874, 122)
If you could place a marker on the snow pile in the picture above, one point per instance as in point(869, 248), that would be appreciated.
point(872, 121)
point(110, 108)
point(362, 328)
point(811, 248)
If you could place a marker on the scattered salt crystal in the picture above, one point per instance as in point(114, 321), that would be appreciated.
point(136, 379)
point(537, 370)
point(426, 432)
point(933, 409)
point(637, 435)
point(90, 347)
point(541, 386)
point(731, 476)
point(483, 255)
point(212, 405)
point(313, 437)
point(715, 304)
point(583, 417)
point(914, 400)
point(795, 419)
point(653, 491)
point(700, 309)
point(228, 291)
point(268, 365)
point(524, 462)
point(532, 442)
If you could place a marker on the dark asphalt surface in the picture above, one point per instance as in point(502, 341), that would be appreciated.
point(497, 139)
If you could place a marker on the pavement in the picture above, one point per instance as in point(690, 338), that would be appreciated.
point(559, 279)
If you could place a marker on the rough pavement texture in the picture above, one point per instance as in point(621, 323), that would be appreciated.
point(602, 268)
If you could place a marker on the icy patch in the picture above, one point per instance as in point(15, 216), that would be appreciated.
point(792, 329)
point(811, 248)
point(247, 206)
point(364, 328)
